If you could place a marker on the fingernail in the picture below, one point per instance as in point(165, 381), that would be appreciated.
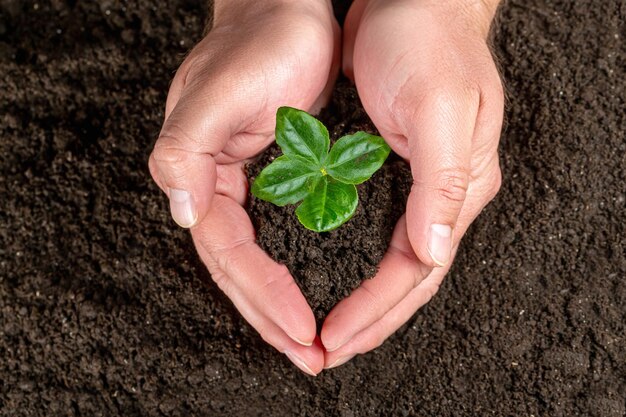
point(182, 208)
point(340, 361)
point(298, 341)
point(440, 243)
point(299, 363)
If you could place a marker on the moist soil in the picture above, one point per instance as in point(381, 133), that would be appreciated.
point(328, 266)
point(106, 310)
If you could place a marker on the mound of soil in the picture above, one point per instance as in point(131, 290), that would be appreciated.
point(106, 310)
point(328, 266)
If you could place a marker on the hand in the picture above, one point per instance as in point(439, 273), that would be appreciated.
point(427, 79)
point(220, 112)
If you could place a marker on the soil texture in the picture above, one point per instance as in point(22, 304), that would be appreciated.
point(328, 266)
point(105, 309)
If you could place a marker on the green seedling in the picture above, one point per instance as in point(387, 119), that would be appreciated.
point(323, 179)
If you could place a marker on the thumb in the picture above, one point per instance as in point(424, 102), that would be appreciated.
point(182, 162)
point(440, 145)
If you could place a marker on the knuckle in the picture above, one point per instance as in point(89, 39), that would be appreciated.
point(172, 157)
point(174, 136)
point(164, 152)
point(373, 343)
point(420, 273)
point(223, 282)
point(173, 163)
point(431, 291)
point(196, 61)
point(452, 185)
point(278, 285)
point(226, 255)
point(374, 301)
point(278, 276)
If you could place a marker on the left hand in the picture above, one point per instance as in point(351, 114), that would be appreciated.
point(427, 79)
point(220, 113)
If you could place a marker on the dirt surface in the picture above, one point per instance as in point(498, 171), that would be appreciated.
point(106, 310)
point(328, 266)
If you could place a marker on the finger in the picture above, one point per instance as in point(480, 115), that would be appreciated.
point(351, 26)
point(198, 124)
point(440, 144)
point(232, 182)
point(400, 271)
point(324, 97)
point(310, 359)
point(228, 236)
point(374, 335)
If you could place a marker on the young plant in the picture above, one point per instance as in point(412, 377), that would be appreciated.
point(307, 171)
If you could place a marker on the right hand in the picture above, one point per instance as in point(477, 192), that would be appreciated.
point(220, 112)
point(427, 79)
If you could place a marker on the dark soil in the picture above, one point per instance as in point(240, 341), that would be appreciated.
point(328, 266)
point(105, 309)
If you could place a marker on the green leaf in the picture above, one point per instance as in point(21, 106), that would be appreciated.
point(301, 135)
point(354, 158)
point(330, 205)
point(285, 181)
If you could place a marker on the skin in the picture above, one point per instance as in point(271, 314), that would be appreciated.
point(430, 85)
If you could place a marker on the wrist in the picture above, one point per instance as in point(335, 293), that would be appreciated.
point(475, 15)
point(228, 12)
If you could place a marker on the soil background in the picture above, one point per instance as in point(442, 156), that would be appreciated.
point(105, 309)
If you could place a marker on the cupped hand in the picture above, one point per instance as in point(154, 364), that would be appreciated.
point(220, 112)
point(427, 79)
